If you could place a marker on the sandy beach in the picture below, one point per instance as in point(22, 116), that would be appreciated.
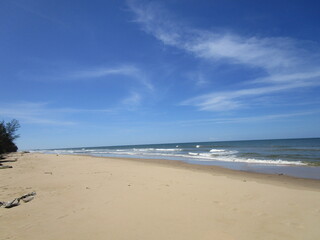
point(82, 197)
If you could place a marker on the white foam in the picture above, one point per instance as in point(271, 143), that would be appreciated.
point(217, 150)
point(220, 155)
point(168, 149)
point(205, 154)
point(193, 154)
point(143, 149)
point(157, 149)
point(203, 157)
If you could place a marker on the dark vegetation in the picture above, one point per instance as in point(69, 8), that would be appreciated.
point(8, 135)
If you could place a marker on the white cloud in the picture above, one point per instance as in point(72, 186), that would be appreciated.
point(198, 78)
point(271, 54)
point(126, 73)
point(33, 113)
point(224, 101)
point(102, 72)
point(133, 100)
point(261, 118)
point(65, 73)
point(155, 21)
point(312, 76)
point(286, 64)
point(41, 113)
point(28, 8)
point(99, 72)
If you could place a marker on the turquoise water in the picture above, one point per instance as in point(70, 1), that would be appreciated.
point(296, 157)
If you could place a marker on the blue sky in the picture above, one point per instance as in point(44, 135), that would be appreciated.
point(97, 73)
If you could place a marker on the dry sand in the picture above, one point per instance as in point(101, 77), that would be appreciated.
point(82, 197)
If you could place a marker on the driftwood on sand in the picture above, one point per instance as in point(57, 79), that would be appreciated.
point(6, 159)
point(15, 202)
point(4, 166)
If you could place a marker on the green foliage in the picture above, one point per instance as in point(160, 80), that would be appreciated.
point(8, 135)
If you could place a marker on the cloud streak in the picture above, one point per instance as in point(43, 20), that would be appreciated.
point(287, 64)
point(133, 100)
point(41, 113)
point(100, 72)
point(31, 10)
point(229, 100)
point(123, 74)
point(58, 73)
point(32, 113)
point(261, 118)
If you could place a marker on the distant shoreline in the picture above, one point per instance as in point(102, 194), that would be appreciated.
point(296, 171)
point(297, 157)
point(215, 170)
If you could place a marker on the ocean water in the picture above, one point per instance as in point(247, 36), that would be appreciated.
point(295, 157)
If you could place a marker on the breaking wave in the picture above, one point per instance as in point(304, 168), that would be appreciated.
point(195, 154)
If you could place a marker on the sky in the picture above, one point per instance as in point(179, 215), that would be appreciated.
point(83, 73)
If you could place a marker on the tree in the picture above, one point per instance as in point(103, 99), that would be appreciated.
point(11, 128)
point(8, 135)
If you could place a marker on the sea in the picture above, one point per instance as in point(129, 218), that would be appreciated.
point(293, 157)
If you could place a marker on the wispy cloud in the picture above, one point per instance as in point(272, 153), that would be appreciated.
point(33, 113)
point(128, 72)
point(224, 101)
point(99, 72)
point(42, 113)
point(287, 63)
point(312, 76)
point(32, 10)
point(135, 96)
point(198, 78)
point(133, 100)
point(250, 119)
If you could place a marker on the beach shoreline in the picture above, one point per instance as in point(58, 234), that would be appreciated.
point(81, 197)
point(277, 178)
point(294, 157)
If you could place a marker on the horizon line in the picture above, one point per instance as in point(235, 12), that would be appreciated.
point(240, 140)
